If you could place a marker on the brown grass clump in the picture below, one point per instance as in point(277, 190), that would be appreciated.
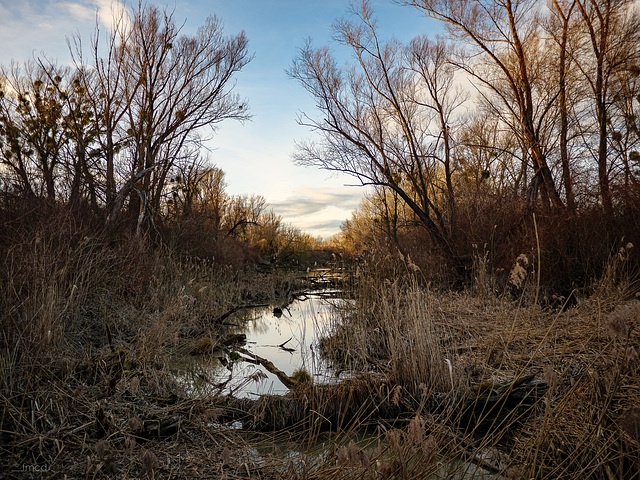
point(523, 391)
point(393, 327)
point(432, 383)
point(624, 319)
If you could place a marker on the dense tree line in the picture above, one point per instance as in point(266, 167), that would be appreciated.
point(119, 134)
point(524, 103)
point(111, 130)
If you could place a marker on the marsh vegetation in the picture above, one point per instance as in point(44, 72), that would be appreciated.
point(487, 323)
point(426, 380)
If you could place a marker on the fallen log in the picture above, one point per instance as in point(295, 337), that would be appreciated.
point(237, 308)
point(286, 380)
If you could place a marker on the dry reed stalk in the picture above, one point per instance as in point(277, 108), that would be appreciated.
point(489, 343)
point(57, 396)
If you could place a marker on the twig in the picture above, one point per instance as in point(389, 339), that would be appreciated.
point(535, 227)
point(287, 381)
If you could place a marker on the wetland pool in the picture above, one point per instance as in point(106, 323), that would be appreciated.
point(289, 340)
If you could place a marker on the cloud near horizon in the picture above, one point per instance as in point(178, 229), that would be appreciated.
point(305, 201)
point(318, 210)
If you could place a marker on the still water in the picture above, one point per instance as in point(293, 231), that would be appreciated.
point(289, 341)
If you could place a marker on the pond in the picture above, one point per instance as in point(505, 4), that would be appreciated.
point(290, 342)
point(288, 338)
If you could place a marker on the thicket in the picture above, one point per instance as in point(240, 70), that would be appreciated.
point(570, 254)
point(119, 246)
point(522, 109)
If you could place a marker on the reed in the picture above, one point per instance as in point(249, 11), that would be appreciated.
point(89, 327)
point(578, 417)
point(440, 383)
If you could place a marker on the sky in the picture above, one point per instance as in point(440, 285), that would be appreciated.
point(257, 155)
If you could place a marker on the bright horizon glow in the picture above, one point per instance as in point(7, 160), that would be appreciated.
point(256, 156)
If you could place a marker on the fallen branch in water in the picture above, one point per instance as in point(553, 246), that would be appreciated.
point(286, 349)
point(287, 381)
point(237, 308)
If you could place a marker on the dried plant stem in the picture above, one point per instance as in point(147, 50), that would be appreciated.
point(538, 266)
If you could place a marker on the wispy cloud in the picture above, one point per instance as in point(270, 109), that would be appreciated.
point(317, 210)
point(37, 27)
point(313, 200)
point(79, 11)
point(108, 12)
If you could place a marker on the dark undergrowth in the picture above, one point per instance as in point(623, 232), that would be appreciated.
point(480, 381)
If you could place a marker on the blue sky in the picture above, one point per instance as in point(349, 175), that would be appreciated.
point(256, 156)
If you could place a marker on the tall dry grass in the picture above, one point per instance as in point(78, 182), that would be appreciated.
point(538, 392)
point(90, 322)
point(392, 328)
point(89, 327)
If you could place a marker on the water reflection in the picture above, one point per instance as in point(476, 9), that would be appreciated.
point(288, 338)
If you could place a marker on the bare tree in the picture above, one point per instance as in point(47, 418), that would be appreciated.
point(611, 28)
point(504, 35)
point(492, 159)
point(31, 127)
point(431, 61)
point(213, 199)
point(561, 26)
point(185, 187)
point(80, 135)
point(242, 212)
point(625, 123)
point(156, 95)
point(180, 84)
point(14, 158)
point(384, 119)
point(104, 77)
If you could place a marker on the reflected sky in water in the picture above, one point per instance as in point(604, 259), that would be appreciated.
point(301, 325)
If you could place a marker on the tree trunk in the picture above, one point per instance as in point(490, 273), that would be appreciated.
point(564, 120)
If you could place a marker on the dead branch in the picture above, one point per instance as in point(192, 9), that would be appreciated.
point(286, 380)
